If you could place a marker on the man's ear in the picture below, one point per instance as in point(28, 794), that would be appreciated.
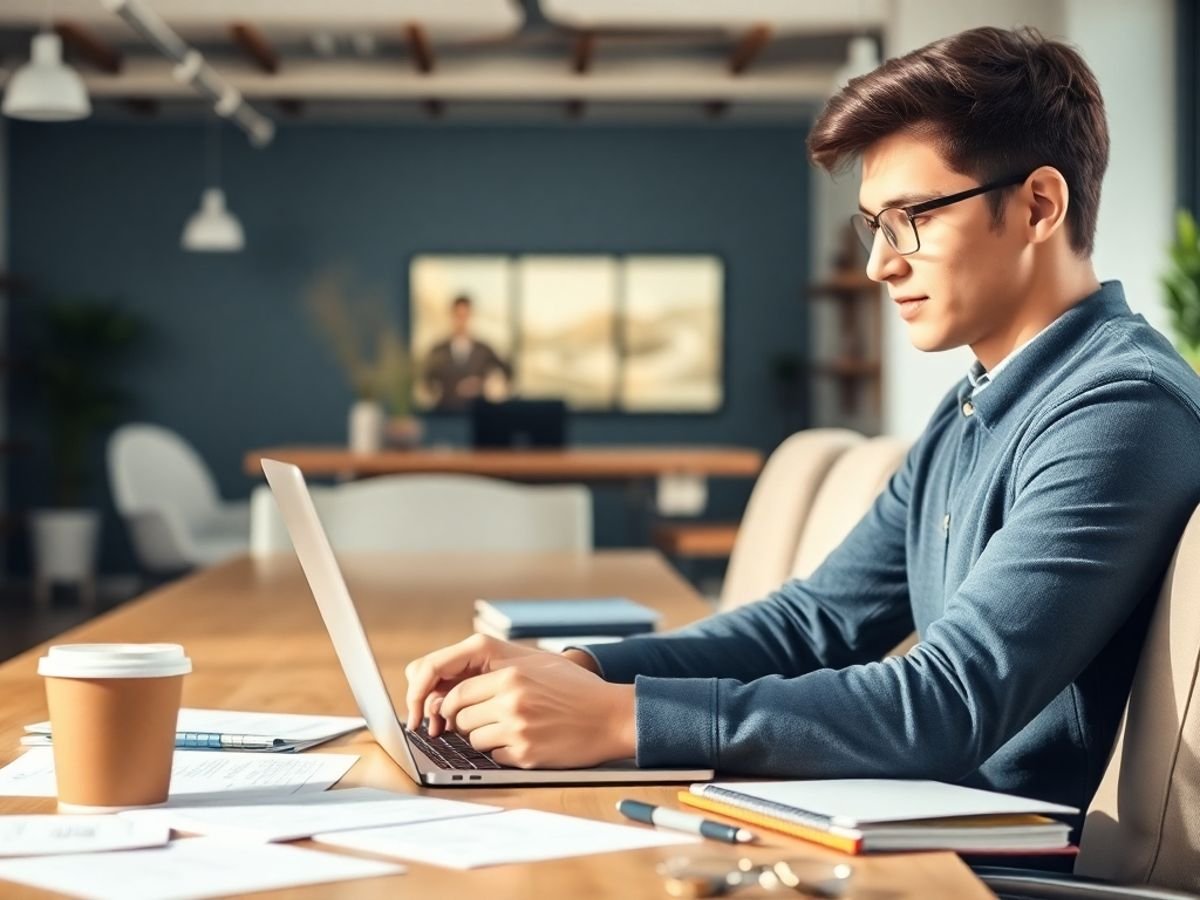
point(1045, 198)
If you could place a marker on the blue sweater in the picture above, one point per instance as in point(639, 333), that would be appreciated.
point(1025, 537)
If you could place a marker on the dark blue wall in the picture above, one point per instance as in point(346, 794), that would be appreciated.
point(234, 362)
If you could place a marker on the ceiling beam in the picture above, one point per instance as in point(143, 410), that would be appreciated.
point(526, 80)
point(254, 44)
point(753, 43)
point(419, 47)
point(96, 52)
point(582, 53)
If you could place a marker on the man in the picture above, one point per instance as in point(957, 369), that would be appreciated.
point(458, 367)
point(1025, 537)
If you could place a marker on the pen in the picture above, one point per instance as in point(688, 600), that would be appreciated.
point(681, 821)
point(209, 740)
point(197, 740)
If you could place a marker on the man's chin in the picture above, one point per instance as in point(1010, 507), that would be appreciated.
point(930, 340)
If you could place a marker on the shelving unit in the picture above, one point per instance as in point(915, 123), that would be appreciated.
point(852, 356)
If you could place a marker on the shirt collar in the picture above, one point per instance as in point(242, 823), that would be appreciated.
point(979, 377)
point(1037, 356)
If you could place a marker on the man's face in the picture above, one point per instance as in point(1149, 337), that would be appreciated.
point(461, 316)
point(965, 283)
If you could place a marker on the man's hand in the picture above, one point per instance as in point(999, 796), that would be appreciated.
point(431, 676)
point(544, 711)
point(528, 708)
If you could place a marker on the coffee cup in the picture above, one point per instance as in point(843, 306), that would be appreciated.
point(113, 715)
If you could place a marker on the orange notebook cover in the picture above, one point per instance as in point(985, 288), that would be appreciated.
point(846, 841)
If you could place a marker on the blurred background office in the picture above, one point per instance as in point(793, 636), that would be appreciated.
point(230, 227)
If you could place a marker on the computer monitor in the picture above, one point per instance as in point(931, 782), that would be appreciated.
point(519, 423)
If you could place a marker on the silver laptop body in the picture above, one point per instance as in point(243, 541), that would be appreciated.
point(366, 683)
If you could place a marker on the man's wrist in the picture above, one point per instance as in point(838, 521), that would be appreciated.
point(623, 721)
point(583, 659)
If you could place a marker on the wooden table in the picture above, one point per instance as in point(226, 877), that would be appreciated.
point(257, 642)
point(534, 464)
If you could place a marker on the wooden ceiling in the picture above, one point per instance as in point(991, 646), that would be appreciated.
point(425, 59)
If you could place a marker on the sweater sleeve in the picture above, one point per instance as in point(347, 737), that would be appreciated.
point(1102, 489)
point(853, 608)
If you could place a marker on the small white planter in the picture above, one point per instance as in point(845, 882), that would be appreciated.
point(366, 427)
point(64, 550)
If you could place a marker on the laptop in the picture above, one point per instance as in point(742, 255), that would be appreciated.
point(518, 423)
point(448, 760)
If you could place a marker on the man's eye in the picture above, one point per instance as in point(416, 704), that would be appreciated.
point(873, 225)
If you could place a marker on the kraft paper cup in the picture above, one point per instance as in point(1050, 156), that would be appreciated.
point(113, 715)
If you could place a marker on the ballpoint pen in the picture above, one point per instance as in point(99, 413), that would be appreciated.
point(681, 821)
point(198, 740)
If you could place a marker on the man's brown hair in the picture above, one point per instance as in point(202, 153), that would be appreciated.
point(995, 102)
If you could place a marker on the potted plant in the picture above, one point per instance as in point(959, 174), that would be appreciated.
point(1182, 281)
point(81, 342)
point(374, 356)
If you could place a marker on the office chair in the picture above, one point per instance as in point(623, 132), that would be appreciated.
point(779, 504)
point(1141, 835)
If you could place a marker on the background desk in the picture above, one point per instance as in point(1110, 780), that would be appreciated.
point(567, 464)
point(257, 642)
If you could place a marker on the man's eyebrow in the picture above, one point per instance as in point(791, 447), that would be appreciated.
point(903, 200)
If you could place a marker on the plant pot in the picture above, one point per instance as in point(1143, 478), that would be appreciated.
point(366, 427)
point(64, 545)
point(404, 431)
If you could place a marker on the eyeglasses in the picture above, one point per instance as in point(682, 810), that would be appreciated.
point(685, 876)
point(897, 222)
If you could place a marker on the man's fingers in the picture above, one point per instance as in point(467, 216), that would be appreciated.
point(488, 738)
point(474, 690)
point(433, 704)
point(484, 714)
point(446, 664)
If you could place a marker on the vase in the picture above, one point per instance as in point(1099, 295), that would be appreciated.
point(64, 550)
point(366, 427)
point(404, 431)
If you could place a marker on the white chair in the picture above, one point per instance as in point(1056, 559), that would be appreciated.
point(169, 501)
point(782, 498)
point(432, 513)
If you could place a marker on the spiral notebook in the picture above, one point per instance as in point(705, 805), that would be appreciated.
point(865, 815)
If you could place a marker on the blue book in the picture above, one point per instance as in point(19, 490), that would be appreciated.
point(615, 616)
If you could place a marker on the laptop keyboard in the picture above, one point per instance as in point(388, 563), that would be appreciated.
point(451, 750)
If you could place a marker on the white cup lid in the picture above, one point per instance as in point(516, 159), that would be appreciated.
point(114, 661)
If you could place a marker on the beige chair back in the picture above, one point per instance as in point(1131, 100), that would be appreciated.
point(853, 483)
point(1143, 827)
point(780, 502)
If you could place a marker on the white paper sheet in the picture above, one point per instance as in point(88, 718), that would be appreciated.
point(199, 775)
point(190, 869)
point(519, 835)
point(41, 835)
point(303, 815)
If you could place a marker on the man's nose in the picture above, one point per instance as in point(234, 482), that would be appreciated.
point(884, 262)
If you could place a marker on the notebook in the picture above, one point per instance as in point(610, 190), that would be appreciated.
point(866, 815)
point(612, 616)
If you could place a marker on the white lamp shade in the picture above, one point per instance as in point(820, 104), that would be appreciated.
point(44, 89)
point(213, 229)
point(862, 57)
